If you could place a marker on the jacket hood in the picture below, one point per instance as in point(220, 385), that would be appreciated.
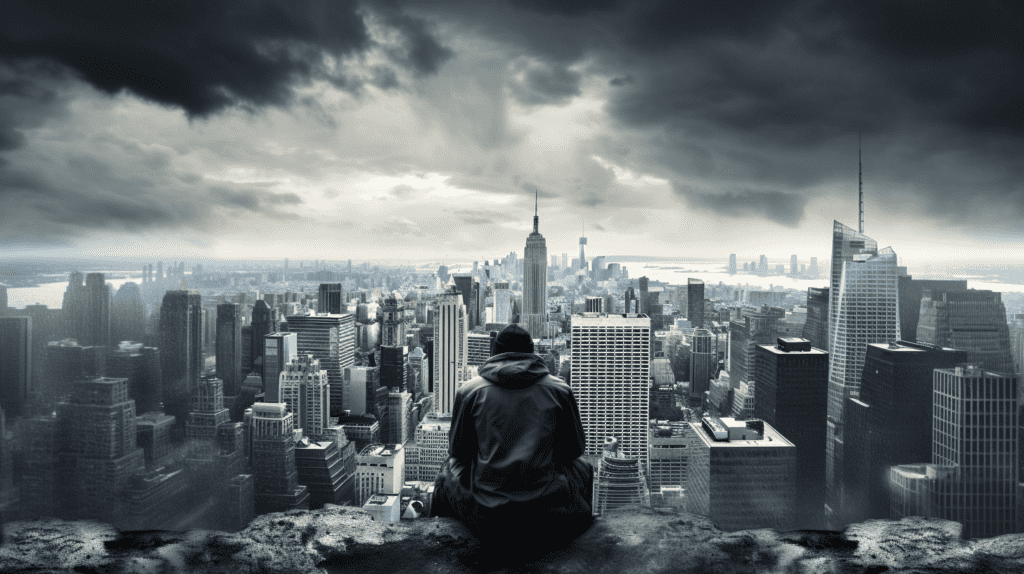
point(514, 370)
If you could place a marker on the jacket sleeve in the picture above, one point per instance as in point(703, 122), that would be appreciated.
point(462, 437)
point(570, 440)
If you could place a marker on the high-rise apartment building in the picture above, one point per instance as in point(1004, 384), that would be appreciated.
point(741, 474)
point(276, 486)
point(305, 390)
point(792, 397)
point(610, 362)
point(815, 327)
point(866, 311)
point(972, 320)
point(331, 299)
point(451, 349)
point(695, 302)
point(181, 348)
point(891, 421)
point(331, 339)
point(229, 347)
point(279, 349)
point(15, 364)
point(703, 365)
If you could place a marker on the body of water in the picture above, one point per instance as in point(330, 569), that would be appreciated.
point(52, 294)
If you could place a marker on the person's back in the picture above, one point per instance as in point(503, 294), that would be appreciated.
point(514, 450)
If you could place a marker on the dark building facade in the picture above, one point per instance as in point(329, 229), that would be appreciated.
point(756, 328)
point(791, 395)
point(331, 298)
point(891, 422)
point(816, 324)
point(127, 315)
point(229, 347)
point(972, 320)
point(15, 364)
point(264, 322)
point(181, 348)
point(394, 368)
point(910, 292)
point(141, 367)
point(695, 302)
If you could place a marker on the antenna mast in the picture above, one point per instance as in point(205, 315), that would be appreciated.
point(860, 183)
point(536, 219)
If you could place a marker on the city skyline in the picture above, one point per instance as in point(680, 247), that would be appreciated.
point(678, 128)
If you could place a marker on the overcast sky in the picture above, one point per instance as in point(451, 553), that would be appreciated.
point(362, 130)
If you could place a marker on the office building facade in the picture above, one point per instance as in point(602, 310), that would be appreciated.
point(451, 349)
point(695, 302)
point(15, 364)
point(305, 390)
point(972, 320)
point(610, 364)
point(331, 299)
point(703, 365)
point(535, 273)
point(330, 339)
point(276, 487)
point(279, 349)
point(229, 347)
point(792, 397)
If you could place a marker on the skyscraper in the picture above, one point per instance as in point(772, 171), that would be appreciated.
point(279, 349)
point(846, 243)
point(15, 363)
point(87, 309)
point(451, 349)
point(911, 291)
point(394, 368)
point(891, 422)
point(583, 253)
point(703, 361)
point(181, 348)
point(816, 326)
point(331, 298)
point(793, 266)
point(392, 326)
point(264, 322)
point(732, 264)
point(695, 302)
point(304, 388)
point(973, 475)
point(206, 412)
point(229, 347)
point(535, 281)
point(757, 327)
point(972, 320)
point(97, 430)
point(867, 289)
point(332, 340)
point(127, 315)
point(610, 362)
point(502, 302)
point(277, 488)
point(140, 365)
point(792, 397)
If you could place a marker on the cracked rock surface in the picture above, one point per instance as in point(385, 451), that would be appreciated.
point(344, 539)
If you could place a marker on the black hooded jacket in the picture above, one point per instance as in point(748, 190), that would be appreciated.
point(514, 430)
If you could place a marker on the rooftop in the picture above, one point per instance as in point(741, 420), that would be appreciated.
point(772, 438)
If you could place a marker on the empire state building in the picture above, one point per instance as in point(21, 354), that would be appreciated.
point(535, 280)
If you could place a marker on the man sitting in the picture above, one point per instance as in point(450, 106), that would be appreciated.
point(514, 471)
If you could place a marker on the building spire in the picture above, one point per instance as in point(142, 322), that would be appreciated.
point(536, 220)
point(860, 184)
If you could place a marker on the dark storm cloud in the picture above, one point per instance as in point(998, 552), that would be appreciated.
point(783, 208)
point(771, 95)
point(206, 55)
point(536, 83)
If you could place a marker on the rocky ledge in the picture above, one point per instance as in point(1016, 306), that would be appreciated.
point(342, 539)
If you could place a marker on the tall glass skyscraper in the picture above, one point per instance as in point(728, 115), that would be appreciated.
point(866, 311)
point(972, 320)
point(330, 338)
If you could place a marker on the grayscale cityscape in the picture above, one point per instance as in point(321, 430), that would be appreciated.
point(251, 255)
